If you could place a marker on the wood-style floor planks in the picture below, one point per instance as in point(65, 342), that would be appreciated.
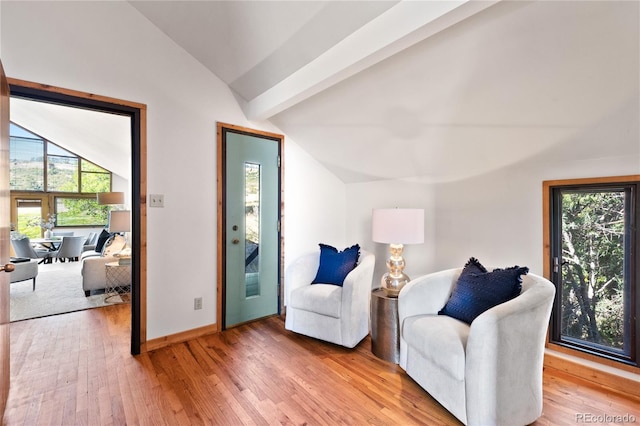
point(75, 369)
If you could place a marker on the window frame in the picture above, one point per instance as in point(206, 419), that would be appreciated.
point(74, 196)
point(48, 164)
point(632, 265)
point(49, 197)
point(48, 203)
point(45, 162)
point(82, 172)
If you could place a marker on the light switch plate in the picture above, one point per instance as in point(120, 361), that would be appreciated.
point(156, 200)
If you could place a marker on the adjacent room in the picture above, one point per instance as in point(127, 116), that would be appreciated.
point(60, 211)
point(435, 200)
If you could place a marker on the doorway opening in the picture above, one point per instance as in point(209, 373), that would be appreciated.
point(137, 115)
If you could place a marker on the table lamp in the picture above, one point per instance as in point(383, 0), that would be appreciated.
point(120, 221)
point(397, 227)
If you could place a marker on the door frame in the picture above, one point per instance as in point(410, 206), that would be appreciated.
point(5, 322)
point(138, 114)
point(221, 213)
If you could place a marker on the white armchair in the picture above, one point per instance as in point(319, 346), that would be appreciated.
point(488, 373)
point(328, 312)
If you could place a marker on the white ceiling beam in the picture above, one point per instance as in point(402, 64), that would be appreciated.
point(400, 27)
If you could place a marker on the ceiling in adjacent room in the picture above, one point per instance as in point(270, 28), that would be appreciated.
point(102, 138)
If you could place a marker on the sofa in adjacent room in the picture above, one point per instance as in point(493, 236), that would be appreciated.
point(94, 261)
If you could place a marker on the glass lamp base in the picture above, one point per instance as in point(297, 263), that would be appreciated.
point(392, 284)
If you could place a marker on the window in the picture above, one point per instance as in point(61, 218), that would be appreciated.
point(66, 172)
point(594, 263)
point(62, 170)
point(66, 183)
point(80, 211)
point(94, 178)
point(29, 213)
point(26, 160)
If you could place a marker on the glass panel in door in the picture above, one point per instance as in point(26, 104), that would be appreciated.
point(252, 229)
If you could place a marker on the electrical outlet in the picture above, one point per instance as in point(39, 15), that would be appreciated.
point(197, 303)
point(156, 200)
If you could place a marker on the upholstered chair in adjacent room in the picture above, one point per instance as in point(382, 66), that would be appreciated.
point(22, 247)
point(70, 248)
point(488, 372)
point(334, 313)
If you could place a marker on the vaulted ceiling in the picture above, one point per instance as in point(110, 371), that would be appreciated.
point(417, 89)
point(430, 90)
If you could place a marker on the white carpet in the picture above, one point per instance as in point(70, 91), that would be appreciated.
point(58, 290)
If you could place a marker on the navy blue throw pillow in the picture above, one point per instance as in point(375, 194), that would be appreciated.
point(335, 265)
point(473, 266)
point(478, 290)
point(104, 236)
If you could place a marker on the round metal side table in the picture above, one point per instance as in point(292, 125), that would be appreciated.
point(385, 337)
point(118, 285)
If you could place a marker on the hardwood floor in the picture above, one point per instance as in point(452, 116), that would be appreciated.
point(76, 369)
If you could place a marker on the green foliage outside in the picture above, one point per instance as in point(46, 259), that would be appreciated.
point(83, 211)
point(593, 267)
point(80, 211)
point(252, 202)
point(62, 174)
point(26, 179)
point(27, 164)
point(63, 167)
point(28, 225)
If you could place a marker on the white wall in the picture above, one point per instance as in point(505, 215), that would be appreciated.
point(109, 49)
point(496, 216)
point(314, 205)
point(362, 198)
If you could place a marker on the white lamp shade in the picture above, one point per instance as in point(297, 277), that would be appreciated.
point(110, 197)
point(119, 221)
point(398, 226)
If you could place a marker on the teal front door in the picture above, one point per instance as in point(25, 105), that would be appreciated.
point(251, 226)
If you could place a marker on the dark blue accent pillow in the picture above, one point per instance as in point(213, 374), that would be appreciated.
point(104, 236)
point(478, 290)
point(335, 265)
point(473, 266)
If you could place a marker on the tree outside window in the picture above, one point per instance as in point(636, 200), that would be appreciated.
point(592, 244)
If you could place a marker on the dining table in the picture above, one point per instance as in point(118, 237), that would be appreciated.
point(51, 244)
